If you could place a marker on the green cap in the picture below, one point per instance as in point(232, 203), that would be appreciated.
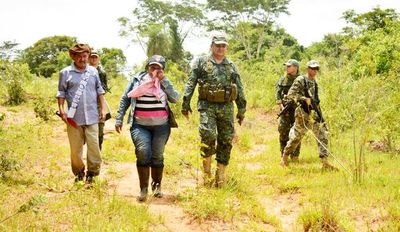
point(219, 40)
point(292, 62)
point(313, 64)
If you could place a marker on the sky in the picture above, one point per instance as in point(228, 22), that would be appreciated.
point(95, 22)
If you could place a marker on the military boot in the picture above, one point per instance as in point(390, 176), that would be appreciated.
point(294, 159)
point(285, 161)
point(327, 166)
point(156, 175)
point(220, 175)
point(144, 173)
point(207, 171)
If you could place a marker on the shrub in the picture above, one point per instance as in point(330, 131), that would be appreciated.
point(43, 108)
point(13, 76)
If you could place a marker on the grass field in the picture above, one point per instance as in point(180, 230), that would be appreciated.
point(37, 192)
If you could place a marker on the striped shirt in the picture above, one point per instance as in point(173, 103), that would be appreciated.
point(149, 111)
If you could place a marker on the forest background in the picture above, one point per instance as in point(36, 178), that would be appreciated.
point(359, 94)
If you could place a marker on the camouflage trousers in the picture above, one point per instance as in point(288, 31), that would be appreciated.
point(216, 131)
point(286, 122)
point(303, 122)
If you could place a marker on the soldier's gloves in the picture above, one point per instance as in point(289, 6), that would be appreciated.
point(240, 118)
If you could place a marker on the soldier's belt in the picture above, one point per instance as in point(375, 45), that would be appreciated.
point(218, 95)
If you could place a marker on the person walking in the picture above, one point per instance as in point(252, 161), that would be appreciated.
point(286, 118)
point(94, 61)
point(219, 86)
point(308, 115)
point(148, 94)
point(80, 86)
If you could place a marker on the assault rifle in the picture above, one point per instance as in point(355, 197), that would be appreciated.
point(314, 102)
point(285, 109)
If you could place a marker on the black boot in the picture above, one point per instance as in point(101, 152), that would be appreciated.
point(144, 173)
point(156, 175)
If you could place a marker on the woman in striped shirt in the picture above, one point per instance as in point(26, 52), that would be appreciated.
point(148, 95)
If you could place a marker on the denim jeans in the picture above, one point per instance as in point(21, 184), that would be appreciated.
point(149, 144)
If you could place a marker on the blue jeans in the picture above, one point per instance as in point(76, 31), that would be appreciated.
point(149, 144)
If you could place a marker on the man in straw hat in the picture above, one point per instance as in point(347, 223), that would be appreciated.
point(80, 86)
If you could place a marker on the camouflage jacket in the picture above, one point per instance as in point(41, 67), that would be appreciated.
point(103, 78)
point(282, 87)
point(298, 90)
point(219, 76)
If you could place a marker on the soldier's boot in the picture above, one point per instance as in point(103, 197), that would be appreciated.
point(327, 166)
point(207, 171)
point(144, 173)
point(156, 175)
point(285, 161)
point(220, 175)
point(294, 159)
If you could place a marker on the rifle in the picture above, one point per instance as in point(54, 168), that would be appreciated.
point(314, 102)
point(285, 109)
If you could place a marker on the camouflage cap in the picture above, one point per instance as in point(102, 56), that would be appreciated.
point(219, 39)
point(158, 60)
point(292, 62)
point(94, 54)
point(313, 64)
point(79, 48)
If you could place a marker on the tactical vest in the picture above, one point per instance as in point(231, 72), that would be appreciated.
point(216, 92)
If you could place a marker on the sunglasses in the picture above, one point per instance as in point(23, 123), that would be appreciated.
point(316, 68)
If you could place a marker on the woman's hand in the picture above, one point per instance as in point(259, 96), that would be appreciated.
point(158, 73)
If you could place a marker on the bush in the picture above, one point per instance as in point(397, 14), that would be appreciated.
point(7, 164)
point(43, 108)
point(13, 76)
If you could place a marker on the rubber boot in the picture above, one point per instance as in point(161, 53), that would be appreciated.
point(327, 166)
point(156, 175)
point(144, 173)
point(207, 171)
point(220, 175)
point(285, 161)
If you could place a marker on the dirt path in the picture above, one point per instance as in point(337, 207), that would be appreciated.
point(123, 181)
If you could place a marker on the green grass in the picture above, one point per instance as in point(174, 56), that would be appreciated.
point(37, 155)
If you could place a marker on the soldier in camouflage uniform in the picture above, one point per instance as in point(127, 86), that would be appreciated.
point(94, 60)
point(308, 115)
point(286, 120)
point(219, 85)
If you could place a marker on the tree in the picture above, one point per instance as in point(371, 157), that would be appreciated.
point(370, 21)
point(42, 57)
point(243, 16)
point(162, 27)
point(8, 50)
point(113, 60)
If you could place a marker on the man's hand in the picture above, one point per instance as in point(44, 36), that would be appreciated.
point(62, 115)
point(240, 118)
point(186, 113)
point(118, 128)
point(102, 116)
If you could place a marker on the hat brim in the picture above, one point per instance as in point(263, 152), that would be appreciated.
point(221, 42)
point(313, 66)
point(159, 64)
point(94, 55)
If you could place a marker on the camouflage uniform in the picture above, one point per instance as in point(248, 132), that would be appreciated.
point(103, 80)
point(304, 120)
point(216, 119)
point(286, 120)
